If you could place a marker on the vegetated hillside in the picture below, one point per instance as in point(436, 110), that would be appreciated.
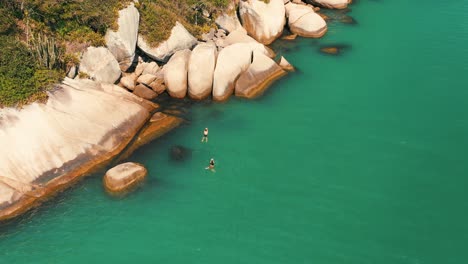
point(162, 15)
point(41, 39)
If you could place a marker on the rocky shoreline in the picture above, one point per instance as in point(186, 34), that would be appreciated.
point(103, 111)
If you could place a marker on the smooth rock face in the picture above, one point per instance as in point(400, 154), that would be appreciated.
point(124, 176)
point(333, 4)
point(83, 125)
point(180, 39)
point(231, 62)
point(303, 21)
point(175, 74)
point(264, 22)
point(122, 43)
point(261, 73)
point(229, 23)
point(158, 125)
point(241, 37)
point(200, 71)
point(283, 63)
point(100, 65)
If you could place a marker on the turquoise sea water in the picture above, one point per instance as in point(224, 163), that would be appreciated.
point(358, 158)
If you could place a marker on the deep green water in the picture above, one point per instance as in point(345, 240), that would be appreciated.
point(358, 158)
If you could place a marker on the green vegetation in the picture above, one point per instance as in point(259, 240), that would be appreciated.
point(158, 17)
point(21, 79)
point(41, 39)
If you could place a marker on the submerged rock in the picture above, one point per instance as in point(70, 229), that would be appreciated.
point(180, 153)
point(122, 43)
point(334, 50)
point(124, 176)
point(179, 39)
point(263, 21)
point(100, 65)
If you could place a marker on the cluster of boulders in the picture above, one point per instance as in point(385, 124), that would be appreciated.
point(231, 59)
point(88, 120)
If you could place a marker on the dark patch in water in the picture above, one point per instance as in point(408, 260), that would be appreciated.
point(180, 153)
point(335, 50)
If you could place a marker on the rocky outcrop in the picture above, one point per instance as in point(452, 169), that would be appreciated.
point(200, 71)
point(283, 63)
point(179, 39)
point(122, 43)
point(83, 125)
point(241, 37)
point(128, 81)
point(100, 65)
point(260, 74)
point(124, 176)
point(231, 62)
point(303, 21)
point(144, 92)
point(332, 4)
point(263, 21)
point(158, 125)
point(229, 22)
point(175, 74)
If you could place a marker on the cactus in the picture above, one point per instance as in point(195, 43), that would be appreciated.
point(46, 51)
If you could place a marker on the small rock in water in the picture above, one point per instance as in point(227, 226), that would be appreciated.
point(335, 49)
point(180, 153)
point(330, 50)
point(290, 37)
point(348, 20)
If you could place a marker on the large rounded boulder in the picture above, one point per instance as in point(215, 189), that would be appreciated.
point(124, 176)
point(263, 21)
point(100, 65)
point(175, 74)
point(122, 43)
point(303, 21)
point(332, 4)
point(179, 39)
point(232, 61)
point(261, 73)
point(200, 71)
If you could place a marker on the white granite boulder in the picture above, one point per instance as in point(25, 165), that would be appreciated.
point(179, 39)
point(122, 43)
point(123, 176)
point(260, 74)
point(231, 62)
point(303, 21)
point(263, 21)
point(229, 22)
point(200, 71)
point(333, 4)
point(100, 65)
point(283, 63)
point(175, 74)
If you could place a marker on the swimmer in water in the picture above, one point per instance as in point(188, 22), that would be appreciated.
point(205, 135)
point(211, 166)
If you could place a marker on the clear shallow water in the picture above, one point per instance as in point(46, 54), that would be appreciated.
point(359, 158)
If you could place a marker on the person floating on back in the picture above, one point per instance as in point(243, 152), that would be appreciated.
point(205, 135)
point(211, 166)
